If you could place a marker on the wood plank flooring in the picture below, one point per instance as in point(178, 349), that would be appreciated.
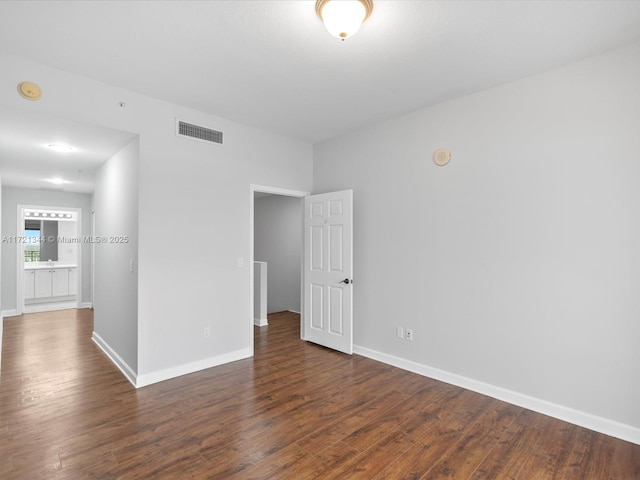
point(294, 411)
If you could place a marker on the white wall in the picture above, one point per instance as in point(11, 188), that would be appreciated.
point(278, 241)
point(115, 203)
point(67, 252)
point(516, 265)
point(11, 198)
point(181, 181)
point(260, 279)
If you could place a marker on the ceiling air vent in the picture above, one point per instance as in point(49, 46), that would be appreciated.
point(204, 134)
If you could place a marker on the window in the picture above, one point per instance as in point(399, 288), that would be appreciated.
point(31, 241)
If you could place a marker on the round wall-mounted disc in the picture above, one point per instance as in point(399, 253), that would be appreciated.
point(442, 156)
point(30, 91)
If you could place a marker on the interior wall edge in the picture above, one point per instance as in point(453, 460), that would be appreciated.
point(116, 359)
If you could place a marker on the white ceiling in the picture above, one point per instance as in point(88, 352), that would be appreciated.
point(271, 64)
point(26, 160)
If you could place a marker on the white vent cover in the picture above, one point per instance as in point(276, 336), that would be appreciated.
point(197, 132)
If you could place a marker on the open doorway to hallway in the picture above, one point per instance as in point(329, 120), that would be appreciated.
point(278, 245)
point(276, 252)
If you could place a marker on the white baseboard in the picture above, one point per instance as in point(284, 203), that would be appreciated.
point(260, 322)
point(126, 370)
point(154, 377)
point(48, 307)
point(294, 311)
point(158, 376)
point(37, 308)
point(576, 417)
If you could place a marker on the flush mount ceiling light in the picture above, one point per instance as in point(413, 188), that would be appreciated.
point(57, 181)
point(342, 18)
point(57, 147)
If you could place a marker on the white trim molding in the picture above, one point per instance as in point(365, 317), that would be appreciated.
point(46, 307)
point(116, 359)
point(277, 191)
point(260, 322)
point(145, 379)
point(567, 414)
point(160, 375)
point(49, 307)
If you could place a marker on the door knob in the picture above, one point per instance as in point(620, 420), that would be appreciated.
point(346, 281)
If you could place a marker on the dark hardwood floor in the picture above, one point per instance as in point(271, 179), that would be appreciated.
point(294, 411)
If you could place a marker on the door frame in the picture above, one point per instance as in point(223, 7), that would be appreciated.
point(253, 188)
point(20, 306)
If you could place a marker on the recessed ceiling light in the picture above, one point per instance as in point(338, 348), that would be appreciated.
point(58, 147)
point(57, 180)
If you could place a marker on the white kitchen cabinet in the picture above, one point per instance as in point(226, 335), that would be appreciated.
point(59, 282)
point(29, 284)
point(51, 282)
point(43, 283)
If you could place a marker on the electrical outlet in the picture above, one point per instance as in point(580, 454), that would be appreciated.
point(206, 332)
point(409, 334)
point(399, 332)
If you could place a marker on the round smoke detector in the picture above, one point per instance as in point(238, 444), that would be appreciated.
point(442, 156)
point(30, 91)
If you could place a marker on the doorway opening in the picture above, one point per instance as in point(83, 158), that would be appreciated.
point(48, 259)
point(275, 205)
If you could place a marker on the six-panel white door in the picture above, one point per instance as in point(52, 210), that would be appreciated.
point(328, 268)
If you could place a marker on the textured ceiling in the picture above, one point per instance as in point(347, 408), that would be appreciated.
point(271, 64)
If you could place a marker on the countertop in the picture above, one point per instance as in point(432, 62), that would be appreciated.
point(43, 265)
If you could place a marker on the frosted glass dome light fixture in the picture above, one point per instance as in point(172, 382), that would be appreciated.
point(343, 18)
